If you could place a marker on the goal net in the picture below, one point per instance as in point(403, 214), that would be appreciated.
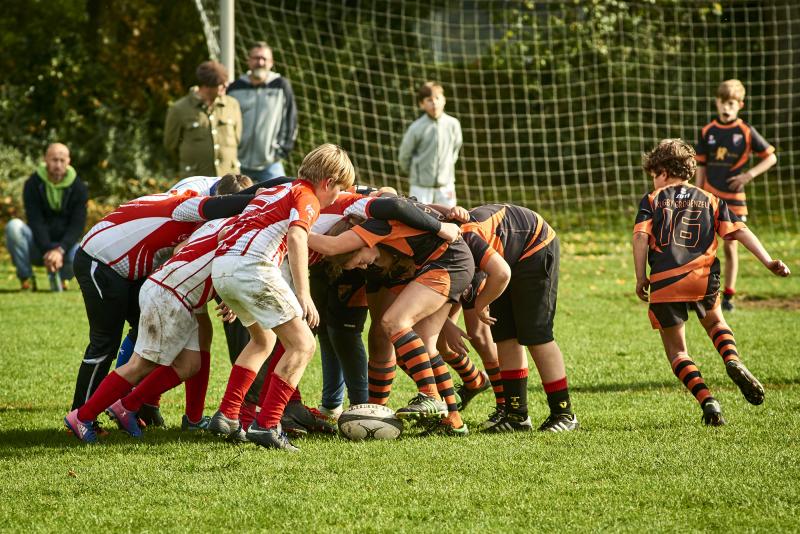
point(557, 100)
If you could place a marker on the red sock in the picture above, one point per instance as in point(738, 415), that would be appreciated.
point(239, 382)
point(196, 388)
point(152, 400)
point(111, 389)
point(275, 402)
point(247, 414)
point(160, 380)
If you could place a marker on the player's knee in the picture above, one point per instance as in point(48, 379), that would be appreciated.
point(392, 325)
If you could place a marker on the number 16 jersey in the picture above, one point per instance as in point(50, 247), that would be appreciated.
point(682, 222)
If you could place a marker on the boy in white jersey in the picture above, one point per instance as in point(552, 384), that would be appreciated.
point(167, 350)
point(246, 274)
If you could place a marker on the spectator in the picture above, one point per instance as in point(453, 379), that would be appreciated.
point(430, 148)
point(204, 127)
point(55, 206)
point(269, 116)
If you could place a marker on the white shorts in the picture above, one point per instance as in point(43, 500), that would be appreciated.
point(166, 327)
point(445, 195)
point(255, 290)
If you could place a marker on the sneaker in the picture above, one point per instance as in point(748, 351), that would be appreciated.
point(443, 427)
point(126, 420)
point(326, 424)
point(748, 384)
point(298, 420)
point(511, 422)
point(466, 394)
point(29, 284)
point(727, 303)
point(270, 438)
point(230, 429)
point(99, 431)
point(330, 413)
point(423, 407)
point(83, 431)
point(712, 413)
point(494, 417)
point(560, 422)
point(188, 426)
point(150, 415)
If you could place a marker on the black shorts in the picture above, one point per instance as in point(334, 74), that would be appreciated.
point(341, 302)
point(449, 275)
point(667, 314)
point(470, 294)
point(526, 309)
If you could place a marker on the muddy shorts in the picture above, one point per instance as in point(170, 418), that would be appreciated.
point(166, 326)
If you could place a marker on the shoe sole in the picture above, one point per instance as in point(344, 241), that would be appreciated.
point(751, 388)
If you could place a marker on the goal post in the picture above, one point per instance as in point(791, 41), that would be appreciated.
point(557, 100)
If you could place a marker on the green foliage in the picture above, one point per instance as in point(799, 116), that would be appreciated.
point(642, 462)
point(97, 76)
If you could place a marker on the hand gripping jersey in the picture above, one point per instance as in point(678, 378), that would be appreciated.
point(724, 149)
point(187, 275)
point(142, 230)
point(512, 231)
point(681, 221)
point(260, 231)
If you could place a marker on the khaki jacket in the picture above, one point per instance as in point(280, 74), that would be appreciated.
point(205, 140)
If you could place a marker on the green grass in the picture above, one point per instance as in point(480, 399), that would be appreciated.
point(642, 460)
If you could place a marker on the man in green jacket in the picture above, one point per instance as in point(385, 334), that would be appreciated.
point(204, 127)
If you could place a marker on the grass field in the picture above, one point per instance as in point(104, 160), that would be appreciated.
point(642, 460)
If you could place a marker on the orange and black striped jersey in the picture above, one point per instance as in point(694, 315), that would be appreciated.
point(724, 149)
point(681, 221)
point(512, 231)
point(420, 245)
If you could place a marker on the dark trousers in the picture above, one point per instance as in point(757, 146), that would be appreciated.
point(110, 301)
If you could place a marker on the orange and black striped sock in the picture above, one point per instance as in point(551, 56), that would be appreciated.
point(497, 384)
point(722, 337)
point(444, 383)
point(462, 364)
point(688, 373)
point(380, 377)
point(414, 359)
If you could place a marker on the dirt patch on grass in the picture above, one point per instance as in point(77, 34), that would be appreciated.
point(791, 302)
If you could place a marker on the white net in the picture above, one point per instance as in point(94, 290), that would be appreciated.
point(557, 100)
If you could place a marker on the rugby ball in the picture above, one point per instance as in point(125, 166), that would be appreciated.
point(369, 421)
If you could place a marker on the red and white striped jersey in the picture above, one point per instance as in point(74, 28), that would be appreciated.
point(188, 273)
point(260, 231)
point(345, 204)
point(203, 185)
point(143, 230)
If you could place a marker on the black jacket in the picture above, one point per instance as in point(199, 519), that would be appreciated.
point(52, 229)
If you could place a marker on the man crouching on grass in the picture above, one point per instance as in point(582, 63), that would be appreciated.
point(675, 232)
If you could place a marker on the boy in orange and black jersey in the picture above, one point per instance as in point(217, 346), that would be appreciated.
point(723, 150)
point(519, 252)
point(675, 233)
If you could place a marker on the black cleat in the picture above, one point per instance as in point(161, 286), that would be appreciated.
point(494, 417)
point(748, 384)
point(466, 394)
point(299, 420)
point(510, 423)
point(712, 413)
point(727, 303)
point(560, 422)
point(150, 415)
point(423, 407)
point(270, 438)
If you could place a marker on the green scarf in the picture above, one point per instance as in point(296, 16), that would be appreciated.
point(56, 191)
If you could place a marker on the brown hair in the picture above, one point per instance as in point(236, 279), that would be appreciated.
point(673, 156)
point(259, 44)
point(211, 74)
point(731, 90)
point(328, 161)
point(233, 183)
point(427, 89)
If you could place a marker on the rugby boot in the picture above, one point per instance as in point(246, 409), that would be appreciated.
point(748, 384)
point(560, 422)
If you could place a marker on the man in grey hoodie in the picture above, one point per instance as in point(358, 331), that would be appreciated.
point(269, 116)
